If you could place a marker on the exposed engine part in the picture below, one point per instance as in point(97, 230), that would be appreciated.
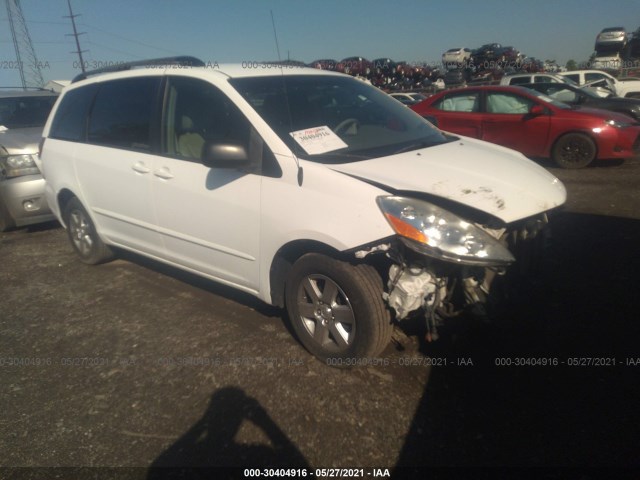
point(378, 248)
point(445, 290)
point(475, 294)
point(409, 289)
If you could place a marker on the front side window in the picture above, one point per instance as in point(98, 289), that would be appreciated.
point(507, 103)
point(574, 77)
point(122, 113)
point(593, 77)
point(197, 113)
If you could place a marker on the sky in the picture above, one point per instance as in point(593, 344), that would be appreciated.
point(220, 31)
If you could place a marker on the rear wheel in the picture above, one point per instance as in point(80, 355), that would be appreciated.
point(574, 150)
point(337, 310)
point(83, 235)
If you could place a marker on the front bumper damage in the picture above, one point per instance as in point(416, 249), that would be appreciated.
point(437, 289)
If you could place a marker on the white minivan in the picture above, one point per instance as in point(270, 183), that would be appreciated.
point(308, 189)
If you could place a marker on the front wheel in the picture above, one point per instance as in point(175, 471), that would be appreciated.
point(82, 233)
point(574, 150)
point(337, 310)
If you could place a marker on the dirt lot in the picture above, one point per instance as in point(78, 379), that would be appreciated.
point(131, 364)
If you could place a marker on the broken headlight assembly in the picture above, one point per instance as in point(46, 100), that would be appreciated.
point(438, 233)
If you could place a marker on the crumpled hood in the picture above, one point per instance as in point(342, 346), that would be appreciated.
point(20, 140)
point(481, 175)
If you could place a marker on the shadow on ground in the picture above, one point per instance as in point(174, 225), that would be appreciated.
point(211, 442)
point(583, 308)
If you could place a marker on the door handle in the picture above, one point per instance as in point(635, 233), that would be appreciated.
point(140, 167)
point(163, 173)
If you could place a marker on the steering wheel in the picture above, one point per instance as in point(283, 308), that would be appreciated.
point(344, 126)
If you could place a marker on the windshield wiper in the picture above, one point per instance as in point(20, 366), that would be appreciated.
point(424, 144)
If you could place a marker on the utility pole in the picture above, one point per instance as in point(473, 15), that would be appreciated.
point(29, 67)
point(75, 34)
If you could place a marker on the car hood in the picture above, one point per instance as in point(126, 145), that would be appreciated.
point(604, 114)
point(20, 140)
point(493, 179)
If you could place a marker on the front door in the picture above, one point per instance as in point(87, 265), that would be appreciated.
point(507, 122)
point(208, 218)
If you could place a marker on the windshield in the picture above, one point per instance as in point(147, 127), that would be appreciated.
point(23, 112)
point(335, 118)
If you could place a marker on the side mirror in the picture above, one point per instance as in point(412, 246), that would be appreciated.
point(536, 111)
point(224, 155)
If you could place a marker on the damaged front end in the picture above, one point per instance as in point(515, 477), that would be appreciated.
point(441, 264)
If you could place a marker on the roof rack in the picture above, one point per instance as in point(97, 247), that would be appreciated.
point(183, 61)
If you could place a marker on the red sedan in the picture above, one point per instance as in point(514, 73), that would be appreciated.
point(534, 124)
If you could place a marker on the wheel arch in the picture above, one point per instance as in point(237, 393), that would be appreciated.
point(284, 259)
point(552, 145)
point(63, 198)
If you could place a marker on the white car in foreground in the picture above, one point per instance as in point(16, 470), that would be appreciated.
point(306, 188)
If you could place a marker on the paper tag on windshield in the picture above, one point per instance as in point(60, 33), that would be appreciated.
point(318, 140)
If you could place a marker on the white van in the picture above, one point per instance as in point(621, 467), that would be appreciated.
point(308, 189)
point(598, 78)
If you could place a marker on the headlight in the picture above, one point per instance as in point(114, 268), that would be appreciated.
point(435, 232)
point(17, 166)
point(618, 124)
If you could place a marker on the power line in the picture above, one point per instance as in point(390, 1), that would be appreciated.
point(93, 27)
point(75, 35)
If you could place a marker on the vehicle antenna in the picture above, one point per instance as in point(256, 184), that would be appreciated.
point(286, 97)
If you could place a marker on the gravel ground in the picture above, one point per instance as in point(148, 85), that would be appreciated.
point(132, 364)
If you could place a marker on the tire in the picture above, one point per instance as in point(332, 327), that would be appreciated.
point(336, 309)
point(6, 222)
point(83, 236)
point(574, 150)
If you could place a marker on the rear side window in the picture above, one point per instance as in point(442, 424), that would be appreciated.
point(71, 116)
point(460, 102)
point(122, 113)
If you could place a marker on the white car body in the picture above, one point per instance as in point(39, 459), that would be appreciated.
point(612, 37)
point(622, 88)
point(408, 98)
point(456, 56)
point(231, 225)
point(524, 78)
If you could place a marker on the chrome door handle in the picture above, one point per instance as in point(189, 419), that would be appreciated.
point(163, 173)
point(140, 167)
